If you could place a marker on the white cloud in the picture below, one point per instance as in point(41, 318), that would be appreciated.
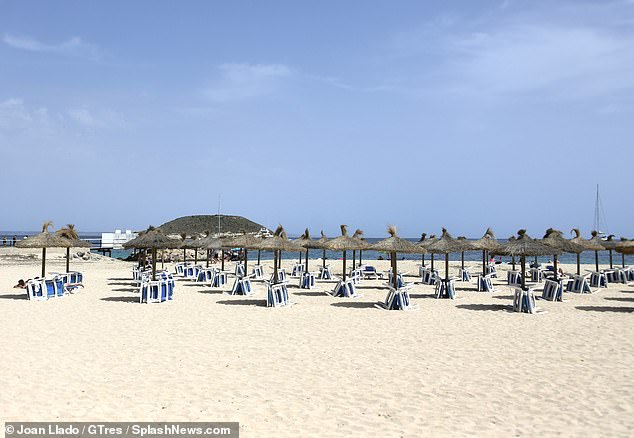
point(95, 119)
point(75, 46)
point(240, 81)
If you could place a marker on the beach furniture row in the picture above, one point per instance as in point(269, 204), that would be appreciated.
point(58, 285)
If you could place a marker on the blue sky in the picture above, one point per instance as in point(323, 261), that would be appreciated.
point(459, 114)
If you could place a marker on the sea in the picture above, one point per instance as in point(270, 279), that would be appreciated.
point(587, 257)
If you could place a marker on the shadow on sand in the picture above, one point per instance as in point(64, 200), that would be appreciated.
point(606, 309)
point(122, 299)
point(239, 302)
point(355, 304)
point(14, 297)
point(484, 307)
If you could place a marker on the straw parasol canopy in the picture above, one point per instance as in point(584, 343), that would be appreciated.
point(554, 239)
point(446, 245)
point(44, 240)
point(211, 242)
point(69, 233)
point(393, 245)
point(306, 242)
point(625, 246)
point(246, 242)
point(423, 243)
point(358, 234)
point(322, 244)
point(486, 244)
point(153, 239)
point(345, 243)
point(278, 243)
point(524, 246)
point(588, 245)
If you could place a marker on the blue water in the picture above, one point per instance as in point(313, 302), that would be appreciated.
point(586, 257)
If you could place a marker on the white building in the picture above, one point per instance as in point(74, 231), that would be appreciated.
point(117, 239)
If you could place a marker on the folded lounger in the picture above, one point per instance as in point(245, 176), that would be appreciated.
point(325, 273)
point(446, 289)
point(553, 290)
point(307, 280)
point(242, 286)
point(398, 299)
point(277, 295)
point(524, 300)
point(346, 289)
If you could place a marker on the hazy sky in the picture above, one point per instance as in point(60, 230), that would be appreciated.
point(422, 114)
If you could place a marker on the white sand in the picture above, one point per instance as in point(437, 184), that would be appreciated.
point(324, 367)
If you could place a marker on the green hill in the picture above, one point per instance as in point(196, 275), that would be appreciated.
point(200, 224)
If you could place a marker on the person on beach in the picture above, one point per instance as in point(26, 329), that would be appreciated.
point(21, 285)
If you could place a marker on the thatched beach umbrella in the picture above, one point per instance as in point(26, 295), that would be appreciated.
point(306, 242)
point(190, 244)
point(425, 244)
point(211, 243)
point(446, 245)
point(555, 239)
point(153, 239)
point(596, 239)
point(466, 242)
point(610, 245)
point(524, 246)
point(278, 243)
point(486, 244)
point(344, 243)
point(393, 245)
point(625, 247)
point(322, 244)
point(44, 240)
point(588, 245)
point(68, 232)
point(358, 234)
point(421, 245)
point(246, 242)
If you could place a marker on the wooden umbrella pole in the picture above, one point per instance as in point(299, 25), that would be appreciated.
point(246, 257)
point(300, 257)
point(432, 261)
point(222, 257)
point(394, 270)
point(423, 259)
point(555, 265)
point(523, 261)
point(184, 255)
point(610, 252)
point(360, 257)
point(153, 264)
point(307, 260)
point(354, 258)
point(259, 256)
point(195, 256)
point(208, 251)
point(447, 268)
point(43, 262)
point(67, 260)
point(596, 260)
point(462, 260)
point(344, 266)
point(162, 259)
point(623, 259)
point(323, 258)
point(275, 267)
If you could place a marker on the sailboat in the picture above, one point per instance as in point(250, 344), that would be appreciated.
point(599, 217)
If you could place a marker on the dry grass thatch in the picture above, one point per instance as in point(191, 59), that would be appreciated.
point(395, 243)
point(524, 245)
point(44, 240)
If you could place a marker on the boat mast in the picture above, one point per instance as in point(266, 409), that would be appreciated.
point(596, 212)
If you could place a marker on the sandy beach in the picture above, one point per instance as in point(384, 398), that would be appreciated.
point(324, 367)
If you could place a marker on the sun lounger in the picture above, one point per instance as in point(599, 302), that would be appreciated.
point(524, 300)
point(281, 277)
point(307, 281)
point(484, 283)
point(553, 290)
point(325, 273)
point(157, 291)
point(36, 291)
point(258, 272)
point(239, 270)
point(355, 276)
point(398, 299)
point(598, 280)
point(205, 275)
point(429, 276)
point(242, 286)
point(464, 274)
point(219, 279)
point(297, 271)
point(514, 278)
point(370, 272)
point(446, 289)
point(277, 295)
point(578, 284)
point(617, 275)
point(345, 289)
point(537, 275)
